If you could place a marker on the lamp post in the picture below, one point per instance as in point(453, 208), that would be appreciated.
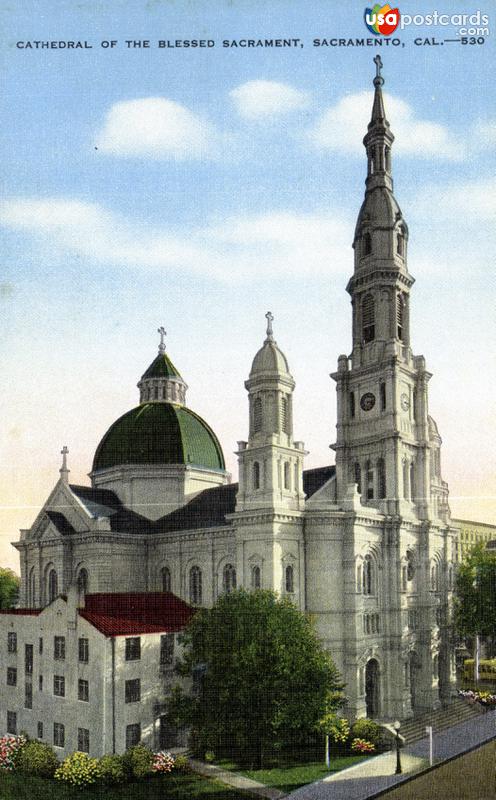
point(397, 726)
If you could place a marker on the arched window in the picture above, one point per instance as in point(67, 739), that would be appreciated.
point(400, 244)
point(32, 588)
point(165, 579)
point(82, 581)
point(368, 318)
point(369, 478)
point(352, 404)
point(287, 477)
point(368, 576)
point(358, 477)
point(381, 478)
point(387, 153)
point(383, 396)
point(359, 586)
point(195, 586)
point(284, 411)
point(404, 578)
point(257, 415)
point(433, 579)
point(229, 578)
point(405, 480)
point(255, 577)
point(156, 392)
point(256, 475)
point(412, 481)
point(52, 586)
point(367, 244)
point(400, 305)
point(289, 578)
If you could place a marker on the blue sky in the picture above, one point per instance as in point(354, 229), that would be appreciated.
point(198, 188)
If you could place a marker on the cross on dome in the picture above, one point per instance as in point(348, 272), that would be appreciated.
point(163, 334)
point(270, 318)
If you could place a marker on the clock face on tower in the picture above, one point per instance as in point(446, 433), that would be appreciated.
point(405, 402)
point(367, 401)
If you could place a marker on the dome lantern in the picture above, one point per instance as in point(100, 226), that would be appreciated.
point(162, 382)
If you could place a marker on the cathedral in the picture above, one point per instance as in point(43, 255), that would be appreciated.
point(365, 546)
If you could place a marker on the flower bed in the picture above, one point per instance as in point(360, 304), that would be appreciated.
point(485, 699)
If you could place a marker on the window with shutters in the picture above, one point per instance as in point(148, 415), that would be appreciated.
point(284, 413)
point(256, 475)
point(381, 478)
point(367, 244)
point(257, 415)
point(399, 316)
point(368, 318)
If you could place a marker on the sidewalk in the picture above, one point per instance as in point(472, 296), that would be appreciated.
point(235, 780)
point(372, 777)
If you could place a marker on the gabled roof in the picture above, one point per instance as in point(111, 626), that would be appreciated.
point(61, 522)
point(314, 479)
point(133, 613)
point(206, 510)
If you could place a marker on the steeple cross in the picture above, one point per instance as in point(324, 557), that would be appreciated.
point(162, 332)
point(378, 80)
point(270, 318)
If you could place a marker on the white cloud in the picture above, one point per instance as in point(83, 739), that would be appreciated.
point(342, 128)
point(485, 133)
point(155, 127)
point(239, 248)
point(466, 203)
point(265, 99)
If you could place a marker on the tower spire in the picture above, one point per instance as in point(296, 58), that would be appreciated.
point(378, 139)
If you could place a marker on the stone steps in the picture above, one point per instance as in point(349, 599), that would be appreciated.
point(458, 711)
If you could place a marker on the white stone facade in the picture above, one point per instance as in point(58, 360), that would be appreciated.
point(366, 546)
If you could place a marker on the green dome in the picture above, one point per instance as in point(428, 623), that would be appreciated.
point(159, 433)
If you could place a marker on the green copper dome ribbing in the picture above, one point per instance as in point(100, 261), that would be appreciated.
point(161, 367)
point(159, 433)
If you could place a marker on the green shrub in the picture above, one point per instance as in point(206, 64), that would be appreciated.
point(111, 769)
point(367, 729)
point(78, 769)
point(37, 758)
point(138, 761)
point(182, 764)
point(209, 756)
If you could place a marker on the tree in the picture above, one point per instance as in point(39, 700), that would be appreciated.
point(260, 676)
point(475, 594)
point(9, 587)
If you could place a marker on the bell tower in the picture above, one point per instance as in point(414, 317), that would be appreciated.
point(382, 431)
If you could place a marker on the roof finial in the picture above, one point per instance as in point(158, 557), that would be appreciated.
point(378, 80)
point(64, 471)
point(270, 318)
point(162, 332)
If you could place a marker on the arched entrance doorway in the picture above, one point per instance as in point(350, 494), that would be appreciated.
point(372, 697)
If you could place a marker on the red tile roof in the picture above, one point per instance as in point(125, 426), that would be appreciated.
point(133, 613)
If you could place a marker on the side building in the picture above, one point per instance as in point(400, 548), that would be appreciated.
point(92, 673)
point(472, 533)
